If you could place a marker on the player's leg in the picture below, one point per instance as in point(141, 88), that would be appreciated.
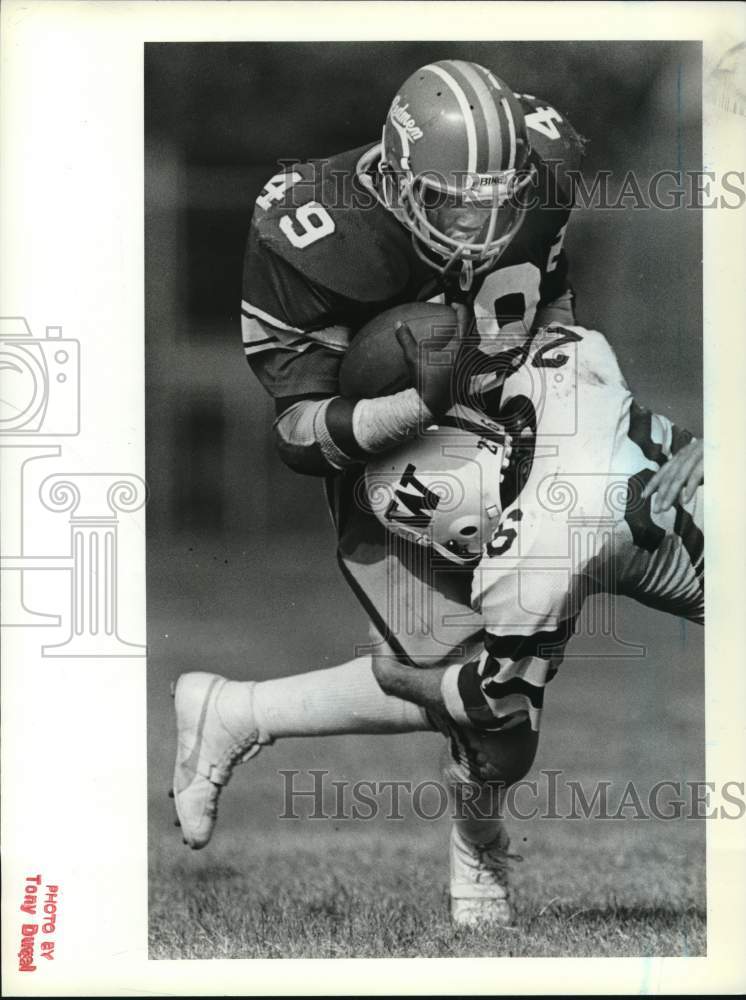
point(336, 700)
point(478, 772)
point(221, 723)
point(499, 755)
point(478, 769)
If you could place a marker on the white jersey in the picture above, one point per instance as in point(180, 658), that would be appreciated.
point(578, 525)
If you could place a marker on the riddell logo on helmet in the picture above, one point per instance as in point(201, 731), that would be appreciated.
point(401, 117)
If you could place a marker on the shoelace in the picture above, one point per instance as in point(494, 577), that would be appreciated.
point(493, 860)
point(237, 753)
point(244, 749)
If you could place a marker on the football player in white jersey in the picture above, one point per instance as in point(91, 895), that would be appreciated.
point(574, 516)
point(552, 504)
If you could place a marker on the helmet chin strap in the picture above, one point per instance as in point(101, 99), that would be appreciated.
point(466, 276)
point(467, 272)
point(465, 559)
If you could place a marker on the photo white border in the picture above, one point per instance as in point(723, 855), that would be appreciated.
point(73, 735)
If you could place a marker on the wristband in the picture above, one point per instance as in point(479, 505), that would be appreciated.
point(329, 448)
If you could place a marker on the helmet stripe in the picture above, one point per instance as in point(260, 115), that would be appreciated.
point(511, 127)
point(471, 134)
point(457, 70)
point(505, 117)
point(486, 102)
point(492, 78)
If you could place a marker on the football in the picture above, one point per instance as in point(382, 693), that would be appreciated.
point(374, 364)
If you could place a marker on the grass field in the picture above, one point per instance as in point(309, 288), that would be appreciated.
point(271, 887)
point(365, 894)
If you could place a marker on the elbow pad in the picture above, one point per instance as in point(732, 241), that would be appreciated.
point(304, 442)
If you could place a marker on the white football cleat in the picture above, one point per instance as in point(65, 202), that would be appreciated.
point(206, 754)
point(480, 881)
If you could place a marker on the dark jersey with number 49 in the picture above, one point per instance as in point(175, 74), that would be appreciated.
point(324, 257)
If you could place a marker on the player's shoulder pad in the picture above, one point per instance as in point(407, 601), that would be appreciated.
point(551, 134)
point(319, 218)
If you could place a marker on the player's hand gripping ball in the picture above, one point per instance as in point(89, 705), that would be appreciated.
point(410, 346)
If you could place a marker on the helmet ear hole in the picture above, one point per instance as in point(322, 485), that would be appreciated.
point(470, 529)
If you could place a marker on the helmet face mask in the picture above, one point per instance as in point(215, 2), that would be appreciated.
point(423, 205)
point(455, 136)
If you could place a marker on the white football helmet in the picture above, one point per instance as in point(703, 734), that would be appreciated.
point(442, 489)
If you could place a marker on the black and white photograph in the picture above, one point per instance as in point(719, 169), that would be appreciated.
point(463, 459)
point(371, 394)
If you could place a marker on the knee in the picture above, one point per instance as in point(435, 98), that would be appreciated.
point(394, 678)
point(385, 674)
point(388, 669)
point(501, 759)
point(514, 753)
point(513, 767)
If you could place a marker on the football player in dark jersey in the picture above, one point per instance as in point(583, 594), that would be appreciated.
point(465, 200)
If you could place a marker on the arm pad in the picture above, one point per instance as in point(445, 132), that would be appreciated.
point(304, 442)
